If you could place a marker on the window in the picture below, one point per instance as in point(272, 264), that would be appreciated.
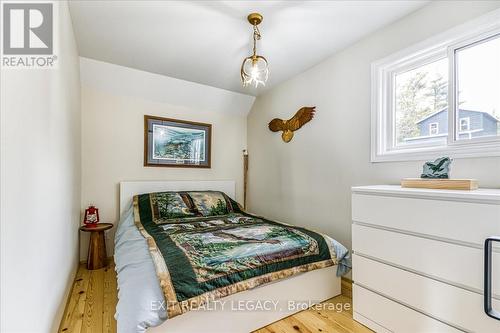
point(441, 96)
point(419, 93)
point(477, 79)
point(464, 124)
point(433, 129)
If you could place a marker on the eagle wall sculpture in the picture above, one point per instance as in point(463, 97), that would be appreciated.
point(303, 116)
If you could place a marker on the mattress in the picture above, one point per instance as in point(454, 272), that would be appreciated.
point(141, 299)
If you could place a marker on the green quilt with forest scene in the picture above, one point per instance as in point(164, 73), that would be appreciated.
point(206, 257)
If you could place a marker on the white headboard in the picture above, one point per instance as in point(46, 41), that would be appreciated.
point(129, 189)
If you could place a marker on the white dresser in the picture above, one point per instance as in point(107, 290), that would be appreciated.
point(418, 259)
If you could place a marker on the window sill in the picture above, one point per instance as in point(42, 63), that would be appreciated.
point(491, 149)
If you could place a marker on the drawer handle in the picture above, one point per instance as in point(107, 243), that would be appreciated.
point(488, 253)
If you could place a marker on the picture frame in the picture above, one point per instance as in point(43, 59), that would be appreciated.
point(176, 143)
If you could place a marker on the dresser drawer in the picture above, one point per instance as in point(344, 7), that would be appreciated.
point(391, 316)
point(461, 221)
point(445, 302)
point(454, 263)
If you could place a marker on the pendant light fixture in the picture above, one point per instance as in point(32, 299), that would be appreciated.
point(254, 69)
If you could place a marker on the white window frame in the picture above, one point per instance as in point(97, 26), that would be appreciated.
point(383, 145)
point(467, 121)
point(430, 129)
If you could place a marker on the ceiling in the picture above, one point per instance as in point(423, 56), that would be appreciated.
point(205, 41)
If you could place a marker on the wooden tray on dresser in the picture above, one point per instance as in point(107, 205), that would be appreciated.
point(440, 184)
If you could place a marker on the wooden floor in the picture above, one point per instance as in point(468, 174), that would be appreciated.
point(92, 302)
point(325, 318)
point(91, 307)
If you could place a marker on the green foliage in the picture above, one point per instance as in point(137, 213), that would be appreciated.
point(438, 93)
point(175, 150)
point(417, 98)
point(209, 258)
point(179, 145)
point(169, 205)
point(219, 209)
point(277, 232)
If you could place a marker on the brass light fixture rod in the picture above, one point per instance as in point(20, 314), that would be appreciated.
point(255, 19)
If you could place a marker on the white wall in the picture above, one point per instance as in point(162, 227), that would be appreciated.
point(114, 102)
point(40, 187)
point(308, 180)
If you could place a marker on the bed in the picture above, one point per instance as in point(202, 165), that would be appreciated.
point(247, 306)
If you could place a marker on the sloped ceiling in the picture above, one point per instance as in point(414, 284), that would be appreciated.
point(205, 41)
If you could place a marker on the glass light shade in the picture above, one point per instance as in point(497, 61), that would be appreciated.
point(254, 71)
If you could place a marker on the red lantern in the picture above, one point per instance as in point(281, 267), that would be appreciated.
point(91, 216)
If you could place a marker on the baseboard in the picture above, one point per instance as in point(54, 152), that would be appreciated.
point(67, 296)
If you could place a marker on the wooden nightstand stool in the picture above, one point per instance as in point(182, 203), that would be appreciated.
point(96, 257)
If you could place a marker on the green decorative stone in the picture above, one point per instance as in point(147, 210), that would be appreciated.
point(440, 168)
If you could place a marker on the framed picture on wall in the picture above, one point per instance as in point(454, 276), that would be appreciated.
point(176, 143)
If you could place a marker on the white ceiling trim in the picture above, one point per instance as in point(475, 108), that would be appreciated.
point(120, 80)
